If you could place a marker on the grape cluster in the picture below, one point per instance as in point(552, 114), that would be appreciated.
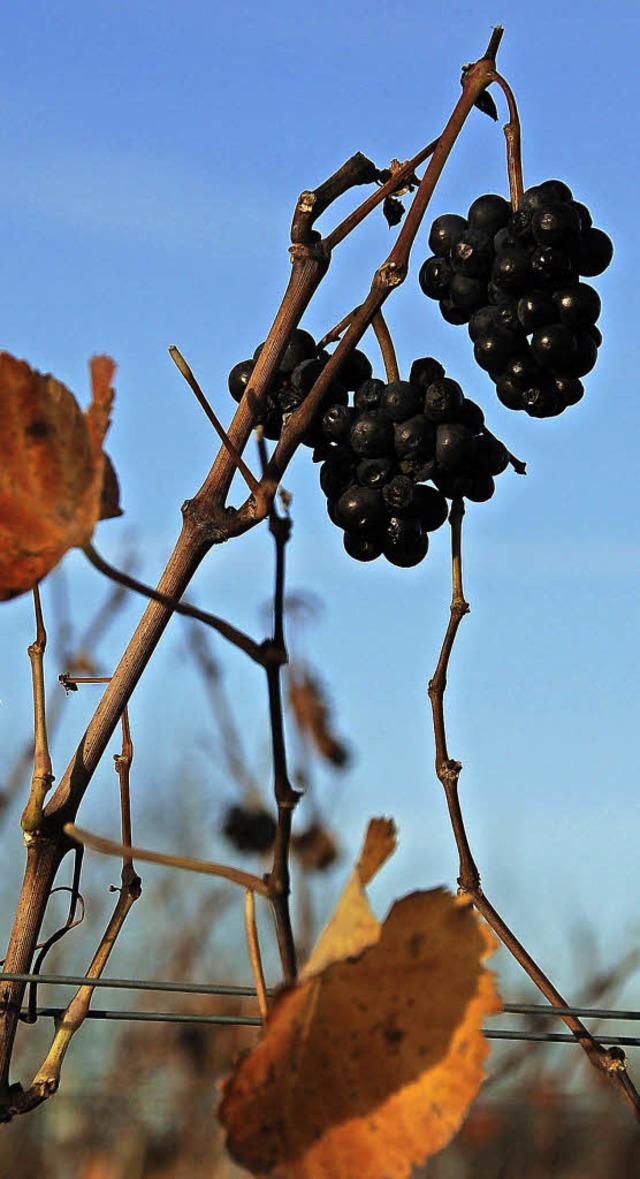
point(379, 453)
point(299, 368)
point(514, 278)
point(380, 443)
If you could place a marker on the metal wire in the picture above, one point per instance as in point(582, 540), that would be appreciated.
point(542, 1010)
point(131, 984)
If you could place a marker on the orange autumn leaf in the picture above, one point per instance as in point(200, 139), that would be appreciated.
point(369, 1064)
point(55, 480)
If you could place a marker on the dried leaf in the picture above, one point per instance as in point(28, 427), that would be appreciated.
point(55, 480)
point(486, 104)
point(393, 211)
point(315, 847)
point(369, 1064)
point(312, 715)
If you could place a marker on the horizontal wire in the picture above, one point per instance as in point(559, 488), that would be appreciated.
point(224, 989)
point(541, 1009)
point(154, 1016)
point(132, 984)
point(557, 1037)
point(254, 1021)
point(587, 1012)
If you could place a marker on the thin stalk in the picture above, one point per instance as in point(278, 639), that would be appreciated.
point(607, 1060)
point(42, 777)
point(512, 134)
point(383, 336)
point(180, 362)
point(255, 958)
point(229, 632)
point(109, 847)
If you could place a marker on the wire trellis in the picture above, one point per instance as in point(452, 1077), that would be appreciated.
point(225, 990)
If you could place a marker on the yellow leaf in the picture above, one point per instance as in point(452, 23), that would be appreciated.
point(353, 926)
point(55, 480)
point(368, 1065)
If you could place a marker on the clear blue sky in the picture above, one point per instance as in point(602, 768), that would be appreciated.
point(152, 155)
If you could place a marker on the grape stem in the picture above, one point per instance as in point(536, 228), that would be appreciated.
point(610, 1061)
point(512, 134)
point(383, 336)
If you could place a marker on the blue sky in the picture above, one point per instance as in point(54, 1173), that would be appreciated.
point(152, 156)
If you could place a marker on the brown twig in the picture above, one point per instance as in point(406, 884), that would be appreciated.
point(109, 847)
point(180, 362)
point(388, 188)
point(335, 332)
point(609, 1061)
point(255, 958)
point(235, 636)
point(42, 777)
point(286, 797)
point(47, 1080)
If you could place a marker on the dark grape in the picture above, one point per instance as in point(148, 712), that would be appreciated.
point(337, 474)
point(522, 368)
point(505, 311)
point(578, 306)
point(493, 348)
point(480, 487)
point(401, 400)
point(472, 254)
point(369, 394)
point(375, 472)
point(509, 393)
point(586, 220)
point(541, 400)
point(570, 390)
point(471, 415)
point(455, 447)
point(398, 494)
point(360, 510)
point(489, 213)
point(585, 356)
point(424, 371)
point(405, 543)
point(361, 548)
point(554, 346)
point(467, 293)
point(414, 438)
point(536, 309)
point(549, 265)
point(491, 455)
point(511, 271)
point(443, 400)
point(434, 277)
point(482, 321)
point(445, 232)
point(507, 239)
point(355, 369)
point(430, 507)
point(337, 422)
point(556, 225)
point(301, 346)
point(239, 377)
point(372, 434)
point(305, 375)
point(452, 313)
